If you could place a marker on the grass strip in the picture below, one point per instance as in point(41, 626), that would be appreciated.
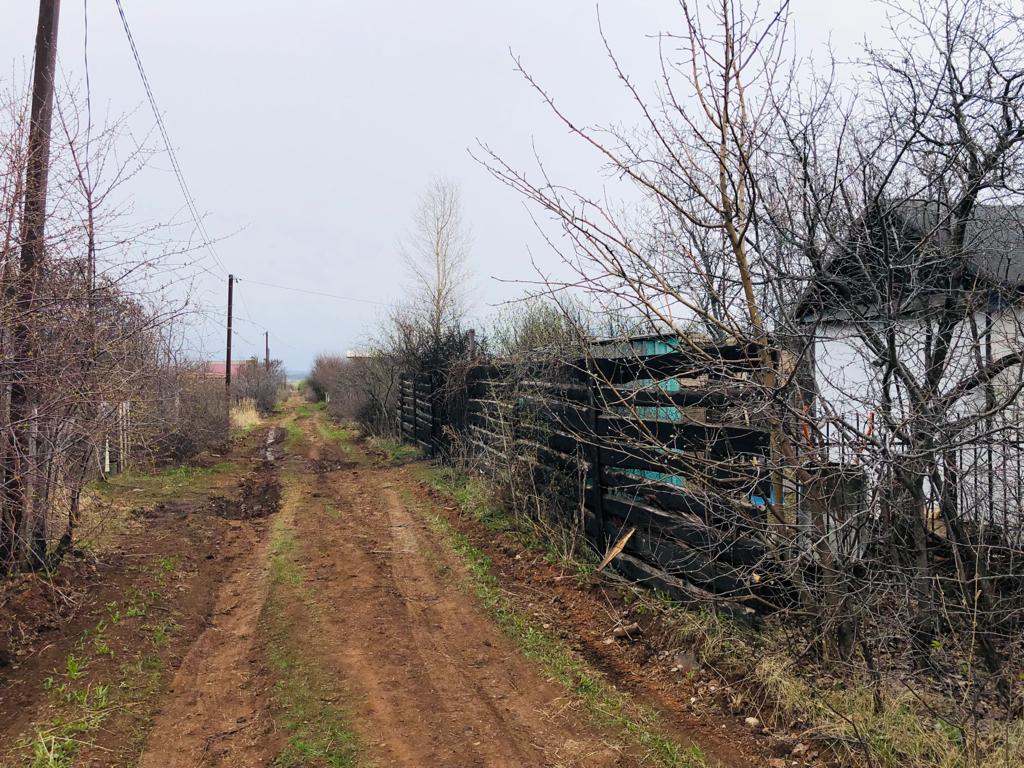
point(318, 729)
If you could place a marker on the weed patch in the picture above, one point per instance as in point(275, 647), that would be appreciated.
point(284, 571)
point(317, 731)
point(336, 434)
point(172, 482)
point(295, 434)
point(394, 450)
point(474, 498)
point(245, 417)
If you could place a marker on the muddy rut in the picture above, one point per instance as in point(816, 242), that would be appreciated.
point(427, 678)
point(216, 706)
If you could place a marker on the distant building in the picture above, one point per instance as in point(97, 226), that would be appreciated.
point(215, 369)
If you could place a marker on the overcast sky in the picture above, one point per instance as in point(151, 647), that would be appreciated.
point(307, 130)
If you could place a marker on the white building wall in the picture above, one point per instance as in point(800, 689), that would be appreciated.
point(850, 386)
point(849, 376)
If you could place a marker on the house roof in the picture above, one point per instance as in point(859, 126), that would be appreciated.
point(217, 368)
point(907, 251)
point(993, 239)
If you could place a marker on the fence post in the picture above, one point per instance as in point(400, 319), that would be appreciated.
point(432, 438)
point(401, 410)
point(594, 462)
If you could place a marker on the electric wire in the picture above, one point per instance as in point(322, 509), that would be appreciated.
point(312, 292)
point(246, 317)
point(88, 92)
point(175, 165)
point(207, 241)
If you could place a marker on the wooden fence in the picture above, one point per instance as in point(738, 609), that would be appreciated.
point(661, 447)
point(417, 420)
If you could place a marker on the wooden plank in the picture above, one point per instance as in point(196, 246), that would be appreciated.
point(721, 362)
point(652, 397)
point(489, 371)
point(564, 445)
point(549, 436)
point(548, 390)
point(687, 594)
point(714, 509)
point(650, 459)
point(692, 530)
point(677, 559)
point(568, 417)
point(594, 494)
point(686, 434)
point(551, 456)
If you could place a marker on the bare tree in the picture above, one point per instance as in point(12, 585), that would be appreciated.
point(436, 253)
point(864, 245)
point(100, 323)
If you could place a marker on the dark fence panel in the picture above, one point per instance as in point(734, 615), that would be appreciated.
point(416, 413)
point(662, 445)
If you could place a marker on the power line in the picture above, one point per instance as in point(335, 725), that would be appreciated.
point(189, 201)
point(247, 318)
point(314, 293)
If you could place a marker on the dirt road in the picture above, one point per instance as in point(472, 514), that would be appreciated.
point(346, 629)
point(374, 604)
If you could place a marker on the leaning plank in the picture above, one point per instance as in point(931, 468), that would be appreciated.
point(690, 529)
point(679, 590)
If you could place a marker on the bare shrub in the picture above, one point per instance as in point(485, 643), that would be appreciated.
point(261, 383)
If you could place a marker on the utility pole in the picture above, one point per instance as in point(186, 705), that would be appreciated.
point(17, 485)
point(266, 354)
point(227, 356)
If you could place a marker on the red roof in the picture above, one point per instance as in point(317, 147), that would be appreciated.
point(217, 368)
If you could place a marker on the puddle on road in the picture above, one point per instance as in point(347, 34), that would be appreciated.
point(274, 449)
point(259, 492)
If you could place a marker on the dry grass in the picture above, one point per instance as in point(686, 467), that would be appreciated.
point(245, 415)
point(906, 731)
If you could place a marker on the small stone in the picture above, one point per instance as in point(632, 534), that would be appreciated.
point(752, 722)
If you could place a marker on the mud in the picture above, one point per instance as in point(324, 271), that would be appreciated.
point(273, 448)
point(259, 495)
point(432, 680)
point(216, 712)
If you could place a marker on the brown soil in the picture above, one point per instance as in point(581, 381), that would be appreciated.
point(649, 662)
point(204, 550)
point(259, 495)
point(216, 710)
point(423, 674)
point(437, 683)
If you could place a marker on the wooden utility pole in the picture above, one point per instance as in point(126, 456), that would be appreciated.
point(227, 355)
point(17, 463)
point(38, 166)
point(266, 354)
